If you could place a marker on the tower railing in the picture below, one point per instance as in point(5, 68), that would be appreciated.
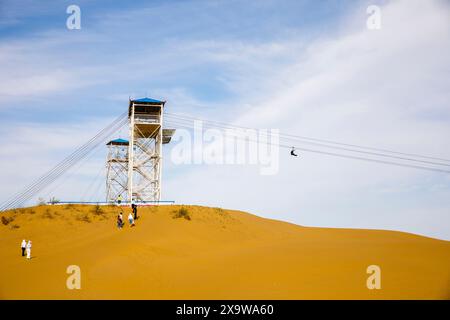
point(146, 118)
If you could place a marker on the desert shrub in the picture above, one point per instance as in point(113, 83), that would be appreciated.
point(69, 206)
point(220, 211)
point(6, 220)
point(98, 210)
point(15, 226)
point(31, 211)
point(48, 214)
point(84, 217)
point(182, 213)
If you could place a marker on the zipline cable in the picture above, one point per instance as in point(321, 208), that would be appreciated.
point(64, 164)
point(72, 171)
point(335, 147)
point(311, 139)
point(88, 189)
point(98, 184)
point(170, 122)
point(60, 170)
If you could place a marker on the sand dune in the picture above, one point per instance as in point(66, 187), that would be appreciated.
point(217, 254)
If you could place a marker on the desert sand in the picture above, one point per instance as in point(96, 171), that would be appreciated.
point(210, 253)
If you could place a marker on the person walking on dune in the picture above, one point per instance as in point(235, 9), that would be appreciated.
point(131, 220)
point(120, 220)
point(29, 249)
point(23, 246)
point(134, 207)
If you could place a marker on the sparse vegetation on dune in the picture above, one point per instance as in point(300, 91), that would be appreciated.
point(84, 217)
point(7, 220)
point(48, 214)
point(182, 213)
point(97, 210)
point(219, 210)
point(56, 213)
point(69, 206)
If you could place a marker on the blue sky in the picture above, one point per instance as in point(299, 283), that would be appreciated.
point(306, 67)
point(112, 35)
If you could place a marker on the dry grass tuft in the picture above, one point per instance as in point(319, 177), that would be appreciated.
point(6, 220)
point(84, 217)
point(98, 210)
point(182, 213)
point(48, 214)
point(69, 206)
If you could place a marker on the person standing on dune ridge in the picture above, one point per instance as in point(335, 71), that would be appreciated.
point(120, 221)
point(131, 220)
point(23, 246)
point(134, 207)
point(29, 249)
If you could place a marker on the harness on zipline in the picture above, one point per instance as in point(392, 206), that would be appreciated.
point(293, 152)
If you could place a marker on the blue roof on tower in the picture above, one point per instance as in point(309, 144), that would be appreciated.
point(147, 100)
point(118, 141)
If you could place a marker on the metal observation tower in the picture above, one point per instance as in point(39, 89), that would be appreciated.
point(134, 166)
